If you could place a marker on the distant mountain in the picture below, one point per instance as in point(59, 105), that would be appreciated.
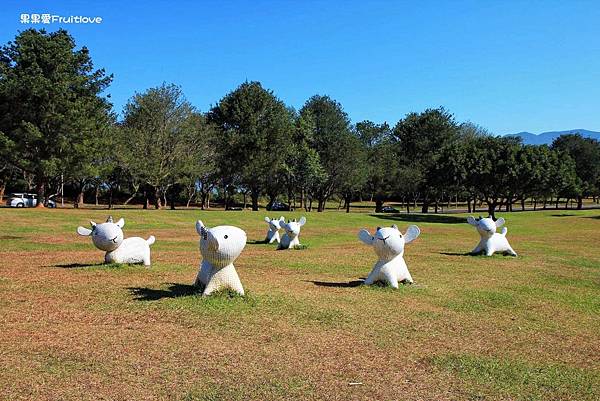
point(548, 137)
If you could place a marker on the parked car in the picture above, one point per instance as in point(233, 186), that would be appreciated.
point(278, 206)
point(388, 209)
point(25, 200)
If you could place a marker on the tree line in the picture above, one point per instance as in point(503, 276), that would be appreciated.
point(59, 133)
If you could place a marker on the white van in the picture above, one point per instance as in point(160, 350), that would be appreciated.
point(25, 200)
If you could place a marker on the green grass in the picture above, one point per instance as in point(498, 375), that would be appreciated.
point(494, 378)
point(470, 328)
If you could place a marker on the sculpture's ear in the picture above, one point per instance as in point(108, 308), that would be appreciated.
point(302, 221)
point(121, 222)
point(267, 219)
point(109, 219)
point(92, 224)
point(395, 227)
point(412, 232)
point(84, 231)
point(471, 220)
point(365, 237)
point(200, 229)
point(282, 218)
point(283, 224)
point(500, 222)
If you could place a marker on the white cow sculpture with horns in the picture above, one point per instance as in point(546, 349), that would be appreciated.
point(490, 241)
point(388, 243)
point(220, 246)
point(108, 237)
point(274, 227)
point(291, 239)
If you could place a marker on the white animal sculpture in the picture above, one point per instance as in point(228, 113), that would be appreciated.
point(292, 231)
point(491, 241)
point(274, 227)
point(108, 237)
point(388, 243)
point(220, 246)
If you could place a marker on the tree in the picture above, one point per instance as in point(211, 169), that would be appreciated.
point(354, 178)
point(49, 102)
point(155, 137)
point(331, 131)
point(254, 136)
point(382, 162)
point(585, 152)
point(420, 137)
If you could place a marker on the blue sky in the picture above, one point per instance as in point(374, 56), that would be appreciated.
point(506, 65)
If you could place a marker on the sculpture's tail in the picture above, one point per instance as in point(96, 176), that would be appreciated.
point(151, 240)
point(504, 231)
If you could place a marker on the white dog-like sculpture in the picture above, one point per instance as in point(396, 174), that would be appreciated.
point(108, 237)
point(292, 230)
point(388, 243)
point(220, 246)
point(274, 227)
point(491, 241)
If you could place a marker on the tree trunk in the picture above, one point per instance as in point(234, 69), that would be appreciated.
point(425, 207)
point(110, 197)
point(79, 200)
point(321, 204)
point(347, 200)
point(2, 190)
point(557, 200)
point(41, 194)
point(407, 206)
point(534, 204)
point(378, 205)
point(254, 196)
point(469, 205)
point(523, 204)
point(579, 203)
point(97, 193)
point(157, 200)
point(492, 210)
point(310, 205)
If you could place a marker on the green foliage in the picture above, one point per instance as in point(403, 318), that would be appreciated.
point(51, 110)
point(254, 128)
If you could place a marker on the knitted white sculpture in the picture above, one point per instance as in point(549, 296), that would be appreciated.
point(109, 237)
point(220, 246)
point(274, 227)
point(388, 243)
point(491, 241)
point(292, 231)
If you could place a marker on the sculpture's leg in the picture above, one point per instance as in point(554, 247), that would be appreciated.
point(477, 250)
point(489, 251)
point(273, 238)
point(408, 278)
point(391, 278)
point(371, 277)
point(212, 286)
point(511, 251)
point(226, 277)
point(147, 259)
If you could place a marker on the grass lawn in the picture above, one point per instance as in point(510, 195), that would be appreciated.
point(471, 328)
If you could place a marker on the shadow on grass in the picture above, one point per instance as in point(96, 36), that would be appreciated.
point(422, 218)
point(563, 215)
point(258, 242)
point(174, 291)
point(80, 265)
point(457, 253)
point(593, 217)
point(9, 237)
point(354, 283)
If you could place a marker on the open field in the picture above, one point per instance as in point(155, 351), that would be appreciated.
point(471, 328)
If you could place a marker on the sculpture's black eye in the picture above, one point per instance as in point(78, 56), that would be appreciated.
point(226, 236)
